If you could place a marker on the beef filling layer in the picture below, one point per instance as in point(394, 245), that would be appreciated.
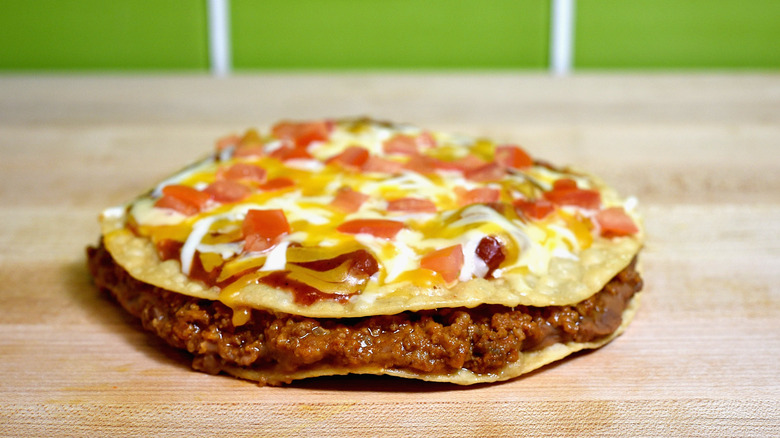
point(482, 339)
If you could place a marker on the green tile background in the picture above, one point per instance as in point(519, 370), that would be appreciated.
point(103, 35)
point(674, 34)
point(390, 34)
point(161, 35)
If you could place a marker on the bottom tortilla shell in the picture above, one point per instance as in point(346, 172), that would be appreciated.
point(463, 346)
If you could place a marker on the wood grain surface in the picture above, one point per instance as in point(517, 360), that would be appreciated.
point(701, 152)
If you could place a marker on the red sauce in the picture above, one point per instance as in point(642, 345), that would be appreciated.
point(302, 293)
point(198, 272)
point(491, 252)
point(362, 263)
point(168, 249)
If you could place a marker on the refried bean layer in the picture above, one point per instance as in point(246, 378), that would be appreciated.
point(482, 339)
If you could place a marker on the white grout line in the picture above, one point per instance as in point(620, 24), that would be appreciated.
point(562, 37)
point(219, 37)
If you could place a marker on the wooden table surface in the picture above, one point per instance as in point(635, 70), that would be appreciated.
point(701, 152)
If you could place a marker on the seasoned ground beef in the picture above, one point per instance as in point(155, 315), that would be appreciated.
point(482, 339)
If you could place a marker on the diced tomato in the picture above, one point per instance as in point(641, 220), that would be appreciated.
point(249, 151)
point(227, 191)
point(348, 200)
point(468, 163)
point(171, 203)
point(407, 144)
point(564, 184)
point(352, 157)
point(479, 195)
point(262, 228)
point(381, 165)
point(425, 140)
point(536, 209)
point(291, 152)
point(488, 172)
point(245, 172)
point(566, 192)
point(513, 156)
point(227, 141)
point(400, 144)
point(184, 199)
point(249, 145)
point(411, 205)
point(614, 221)
point(277, 184)
point(422, 164)
point(446, 261)
point(302, 134)
point(384, 228)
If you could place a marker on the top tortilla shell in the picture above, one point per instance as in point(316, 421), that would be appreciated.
point(565, 281)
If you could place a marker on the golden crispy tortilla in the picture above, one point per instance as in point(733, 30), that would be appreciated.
point(565, 282)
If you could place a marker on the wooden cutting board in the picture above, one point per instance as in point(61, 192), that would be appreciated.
point(701, 152)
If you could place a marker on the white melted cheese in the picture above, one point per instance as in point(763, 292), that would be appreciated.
point(182, 176)
point(473, 266)
point(199, 230)
point(276, 259)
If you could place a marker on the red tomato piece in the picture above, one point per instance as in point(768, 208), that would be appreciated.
point(348, 200)
point(227, 191)
point(176, 204)
point(566, 192)
point(244, 171)
point(277, 184)
point(446, 261)
point(513, 156)
point(400, 144)
point(302, 134)
point(488, 172)
point(411, 205)
point(564, 184)
point(614, 221)
point(381, 165)
point(407, 144)
point(384, 228)
point(480, 195)
point(422, 164)
point(468, 163)
point(249, 151)
point(290, 152)
point(352, 157)
point(183, 199)
point(262, 228)
point(425, 140)
point(227, 141)
point(536, 209)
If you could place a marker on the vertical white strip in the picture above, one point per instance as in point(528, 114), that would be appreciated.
point(219, 36)
point(562, 37)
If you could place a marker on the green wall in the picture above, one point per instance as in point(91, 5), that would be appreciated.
point(390, 33)
point(78, 35)
point(678, 34)
point(103, 35)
